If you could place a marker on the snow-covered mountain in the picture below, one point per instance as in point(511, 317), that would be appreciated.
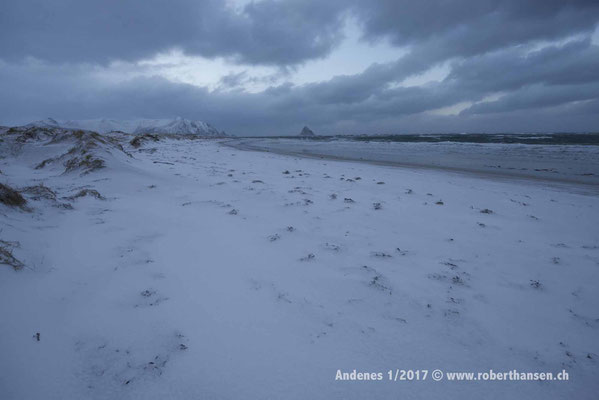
point(137, 126)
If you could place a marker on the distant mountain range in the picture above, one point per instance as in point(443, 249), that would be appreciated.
point(136, 126)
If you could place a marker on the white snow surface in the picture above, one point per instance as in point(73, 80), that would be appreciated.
point(176, 126)
point(209, 272)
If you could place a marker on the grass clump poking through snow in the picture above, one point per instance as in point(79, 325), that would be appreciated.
point(86, 192)
point(7, 258)
point(87, 163)
point(139, 139)
point(10, 196)
point(39, 192)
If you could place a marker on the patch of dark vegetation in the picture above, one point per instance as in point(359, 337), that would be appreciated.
point(297, 189)
point(309, 257)
point(535, 284)
point(152, 298)
point(83, 154)
point(42, 192)
point(88, 163)
point(39, 192)
point(377, 206)
point(380, 254)
point(138, 140)
point(518, 202)
point(11, 197)
point(332, 246)
point(401, 252)
point(86, 192)
point(556, 260)
point(148, 293)
point(44, 163)
point(450, 264)
point(29, 134)
point(377, 281)
point(6, 256)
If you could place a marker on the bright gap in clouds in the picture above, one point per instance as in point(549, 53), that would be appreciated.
point(457, 108)
point(353, 56)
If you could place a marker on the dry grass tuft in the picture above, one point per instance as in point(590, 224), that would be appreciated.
point(11, 197)
point(7, 258)
point(86, 192)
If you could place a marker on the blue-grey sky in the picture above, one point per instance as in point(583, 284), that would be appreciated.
point(272, 66)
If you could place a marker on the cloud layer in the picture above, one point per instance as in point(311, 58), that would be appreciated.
point(511, 65)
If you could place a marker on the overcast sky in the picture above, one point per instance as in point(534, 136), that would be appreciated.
point(272, 66)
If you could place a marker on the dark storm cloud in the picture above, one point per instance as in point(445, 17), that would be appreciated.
point(537, 96)
point(491, 48)
point(572, 63)
point(437, 31)
point(268, 32)
point(464, 27)
point(277, 32)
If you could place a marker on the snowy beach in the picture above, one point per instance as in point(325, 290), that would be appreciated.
point(190, 269)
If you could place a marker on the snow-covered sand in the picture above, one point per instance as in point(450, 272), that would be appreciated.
point(211, 272)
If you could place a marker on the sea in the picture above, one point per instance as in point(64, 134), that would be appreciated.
point(569, 158)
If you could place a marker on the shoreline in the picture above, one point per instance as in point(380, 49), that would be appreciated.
point(569, 185)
